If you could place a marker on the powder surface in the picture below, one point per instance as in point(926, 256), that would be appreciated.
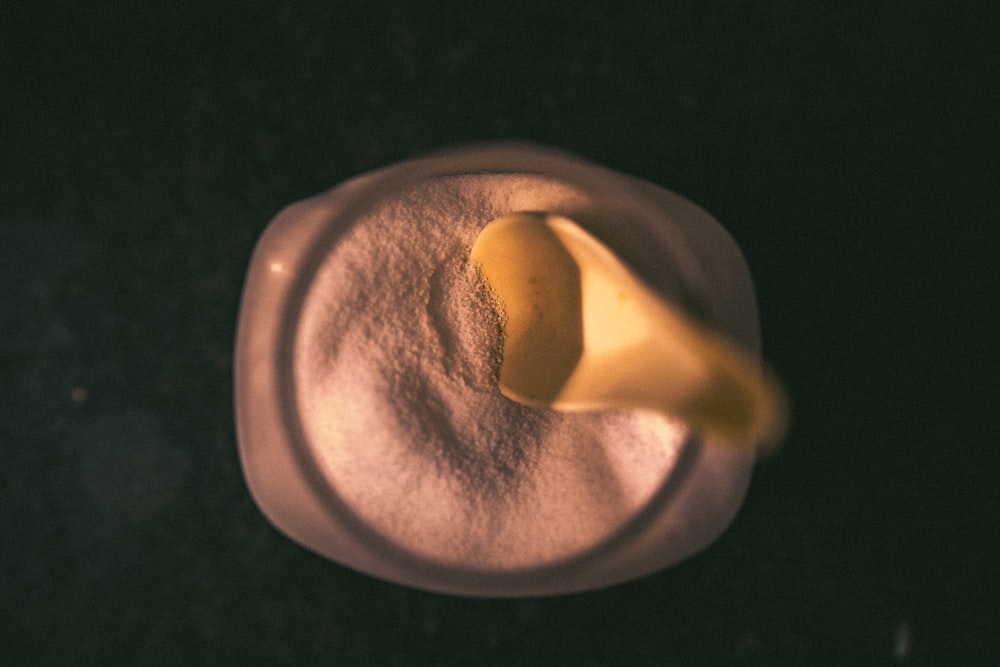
point(396, 366)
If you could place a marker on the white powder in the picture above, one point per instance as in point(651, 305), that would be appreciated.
point(396, 365)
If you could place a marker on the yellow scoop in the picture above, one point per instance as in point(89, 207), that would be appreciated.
point(582, 332)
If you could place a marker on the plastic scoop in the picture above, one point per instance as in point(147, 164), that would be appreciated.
point(582, 332)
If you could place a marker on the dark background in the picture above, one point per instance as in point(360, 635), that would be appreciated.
point(845, 145)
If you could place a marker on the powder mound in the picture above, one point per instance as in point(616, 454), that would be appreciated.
point(466, 421)
point(396, 365)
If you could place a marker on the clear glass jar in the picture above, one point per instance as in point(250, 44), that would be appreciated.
point(674, 245)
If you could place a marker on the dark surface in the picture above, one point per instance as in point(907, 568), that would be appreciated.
point(145, 146)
